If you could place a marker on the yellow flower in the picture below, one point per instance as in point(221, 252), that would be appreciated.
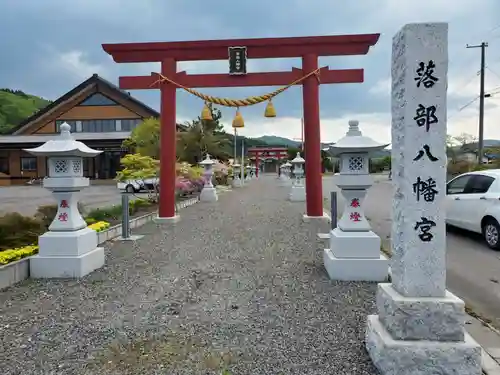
point(11, 255)
point(99, 226)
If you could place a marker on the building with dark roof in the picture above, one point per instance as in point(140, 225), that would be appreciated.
point(100, 114)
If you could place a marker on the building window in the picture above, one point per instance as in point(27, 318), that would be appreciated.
point(98, 126)
point(69, 122)
point(98, 100)
point(28, 164)
point(4, 165)
point(130, 124)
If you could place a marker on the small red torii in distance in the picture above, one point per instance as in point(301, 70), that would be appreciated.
point(308, 48)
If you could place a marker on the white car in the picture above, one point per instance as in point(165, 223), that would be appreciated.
point(473, 203)
point(135, 186)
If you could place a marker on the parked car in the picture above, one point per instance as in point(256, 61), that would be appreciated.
point(136, 186)
point(473, 204)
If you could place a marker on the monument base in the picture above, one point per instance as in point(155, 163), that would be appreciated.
point(167, 220)
point(297, 194)
point(236, 183)
point(420, 357)
point(356, 269)
point(208, 194)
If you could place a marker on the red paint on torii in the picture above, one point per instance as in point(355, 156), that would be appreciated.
point(258, 152)
point(308, 48)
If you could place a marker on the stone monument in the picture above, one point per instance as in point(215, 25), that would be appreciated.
point(298, 189)
point(208, 193)
point(249, 173)
point(69, 249)
point(419, 328)
point(354, 252)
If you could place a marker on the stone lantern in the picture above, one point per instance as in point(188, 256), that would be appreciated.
point(354, 252)
point(208, 193)
point(254, 171)
point(298, 190)
point(285, 172)
point(236, 176)
point(69, 249)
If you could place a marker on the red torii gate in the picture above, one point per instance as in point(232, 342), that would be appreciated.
point(308, 48)
point(260, 152)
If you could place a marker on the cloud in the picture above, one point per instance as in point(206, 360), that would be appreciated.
point(67, 50)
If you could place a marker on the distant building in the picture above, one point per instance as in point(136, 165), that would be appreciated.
point(100, 114)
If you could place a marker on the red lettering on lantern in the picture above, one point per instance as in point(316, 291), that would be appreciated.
point(355, 203)
point(63, 216)
point(355, 216)
point(64, 204)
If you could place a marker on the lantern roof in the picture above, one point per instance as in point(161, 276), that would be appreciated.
point(355, 141)
point(287, 164)
point(298, 159)
point(236, 165)
point(63, 145)
point(207, 161)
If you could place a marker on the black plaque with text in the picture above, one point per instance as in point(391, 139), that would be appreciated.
point(237, 60)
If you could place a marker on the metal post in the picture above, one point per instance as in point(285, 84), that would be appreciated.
point(125, 216)
point(333, 207)
point(242, 162)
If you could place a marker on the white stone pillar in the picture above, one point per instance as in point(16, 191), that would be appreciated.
point(420, 326)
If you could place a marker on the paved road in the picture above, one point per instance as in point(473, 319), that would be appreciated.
point(26, 199)
point(473, 270)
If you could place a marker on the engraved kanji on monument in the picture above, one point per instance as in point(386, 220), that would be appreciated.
point(417, 315)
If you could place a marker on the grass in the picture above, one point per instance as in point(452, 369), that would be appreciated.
point(168, 353)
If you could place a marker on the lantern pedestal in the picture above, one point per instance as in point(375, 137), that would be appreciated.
point(297, 193)
point(236, 182)
point(208, 194)
point(355, 256)
point(67, 254)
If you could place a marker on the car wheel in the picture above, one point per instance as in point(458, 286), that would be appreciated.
point(491, 233)
point(130, 189)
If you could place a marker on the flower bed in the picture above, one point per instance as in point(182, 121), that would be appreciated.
point(100, 226)
point(11, 255)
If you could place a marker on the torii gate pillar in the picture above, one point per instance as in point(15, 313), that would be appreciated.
point(312, 139)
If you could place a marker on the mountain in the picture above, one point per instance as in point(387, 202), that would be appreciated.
point(273, 140)
point(15, 106)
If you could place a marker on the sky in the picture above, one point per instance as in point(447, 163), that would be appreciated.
point(49, 46)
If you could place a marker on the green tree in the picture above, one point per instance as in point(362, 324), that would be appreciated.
point(145, 138)
point(139, 167)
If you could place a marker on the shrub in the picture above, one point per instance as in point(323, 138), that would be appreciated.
point(17, 230)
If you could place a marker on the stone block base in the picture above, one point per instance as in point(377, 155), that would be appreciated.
point(208, 194)
point(66, 266)
point(354, 244)
point(167, 220)
point(356, 269)
point(418, 357)
point(307, 219)
point(236, 183)
point(75, 243)
point(421, 318)
point(297, 194)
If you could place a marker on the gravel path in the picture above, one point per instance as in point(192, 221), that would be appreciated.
point(237, 284)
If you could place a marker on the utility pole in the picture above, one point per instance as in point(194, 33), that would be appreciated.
point(480, 142)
